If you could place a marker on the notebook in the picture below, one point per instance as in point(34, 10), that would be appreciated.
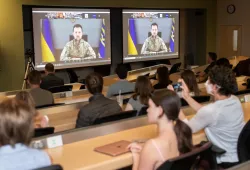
point(114, 149)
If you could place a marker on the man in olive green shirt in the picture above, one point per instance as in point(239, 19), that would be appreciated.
point(78, 48)
point(154, 44)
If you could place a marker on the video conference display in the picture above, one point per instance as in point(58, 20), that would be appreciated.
point(71, 37)
point(150, 35)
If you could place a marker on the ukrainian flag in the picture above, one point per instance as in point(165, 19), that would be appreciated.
point(132, 42)
point(46, 42)
point(101, 53)
point(171, 43)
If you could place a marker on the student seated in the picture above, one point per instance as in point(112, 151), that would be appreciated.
point(50, 80)
point(212, 57)
point(16, 120)
point(163, 78)
point(223, 119)
point(223, 62)
point(190, 80)
point(40, 121)
point(242, 68)
point(174, 136)
point(41, 97)
point(99, 106)
point(143, 91)
point(122, 85)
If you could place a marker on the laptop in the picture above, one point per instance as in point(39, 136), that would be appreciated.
point(114, 149)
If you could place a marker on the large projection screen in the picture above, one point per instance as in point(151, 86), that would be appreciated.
point(150, 35)
point(69, 37)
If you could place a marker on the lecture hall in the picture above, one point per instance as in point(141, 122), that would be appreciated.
point(124, 85)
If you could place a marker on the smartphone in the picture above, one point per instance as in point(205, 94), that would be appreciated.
point(177, 86)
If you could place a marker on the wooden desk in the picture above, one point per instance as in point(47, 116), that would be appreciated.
point(76, 86)
point(236, 59)
point(243, 166)
point(81, 155)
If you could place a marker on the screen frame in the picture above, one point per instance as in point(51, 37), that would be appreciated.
point(68, 7)
point(152, 59)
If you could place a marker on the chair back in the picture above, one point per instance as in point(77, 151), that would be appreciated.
point(116, 117)
point(52, 167)
point(72, 75)
point(38, 132)
point(143, 111)
point(242, 92)
point(187, 160)
point(243, 147)
point(49, 105)
point(58, 89)
point(82, 87)
point(125, 93)
point(175, 68)
point(199, 99)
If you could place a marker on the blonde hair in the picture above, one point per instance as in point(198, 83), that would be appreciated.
point(16, 122)
point(27, 98)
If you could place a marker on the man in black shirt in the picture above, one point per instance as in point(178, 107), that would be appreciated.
point(212, 57)
point(50, 80)
point(99, 106)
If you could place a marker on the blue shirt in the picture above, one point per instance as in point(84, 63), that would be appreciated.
point(22, 157)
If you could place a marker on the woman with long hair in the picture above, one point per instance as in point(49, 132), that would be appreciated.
point(174, 137)
point(190, 80)
point(162, 76)
point(143, 91)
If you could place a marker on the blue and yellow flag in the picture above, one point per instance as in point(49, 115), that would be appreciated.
point(132, 42)
point(46, 42)
point(101, 53)
point(171, 43)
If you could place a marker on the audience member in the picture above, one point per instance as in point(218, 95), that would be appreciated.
point(190, 80)
point(163, 78)
point(122, 85)
point(243, 68)
point(41, 97)
point(143, 91)
point(50, 80)
point(223, 119)
point(212, 57)
point(16, 132)
point(99, 106)
point(174, 136)
point(40, 121)
point(223, 62)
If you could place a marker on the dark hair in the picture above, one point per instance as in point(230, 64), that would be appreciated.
point(190, 79)
point(163, 76)
point(143, 89)
point(171, 105)
point(94, 83)
point(121, 71)
point(213, 56)
point(34, 77)
point(16, 122)
point(224, 78)
point(154, 24)
point(49, 67)
point(77, 26)
point(223, 62)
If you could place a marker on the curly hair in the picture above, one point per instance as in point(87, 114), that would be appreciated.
point(225, 78)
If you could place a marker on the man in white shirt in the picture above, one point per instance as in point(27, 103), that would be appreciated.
point(223, 119)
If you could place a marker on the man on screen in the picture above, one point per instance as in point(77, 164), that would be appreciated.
point(77, 48)
point(154, 44)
